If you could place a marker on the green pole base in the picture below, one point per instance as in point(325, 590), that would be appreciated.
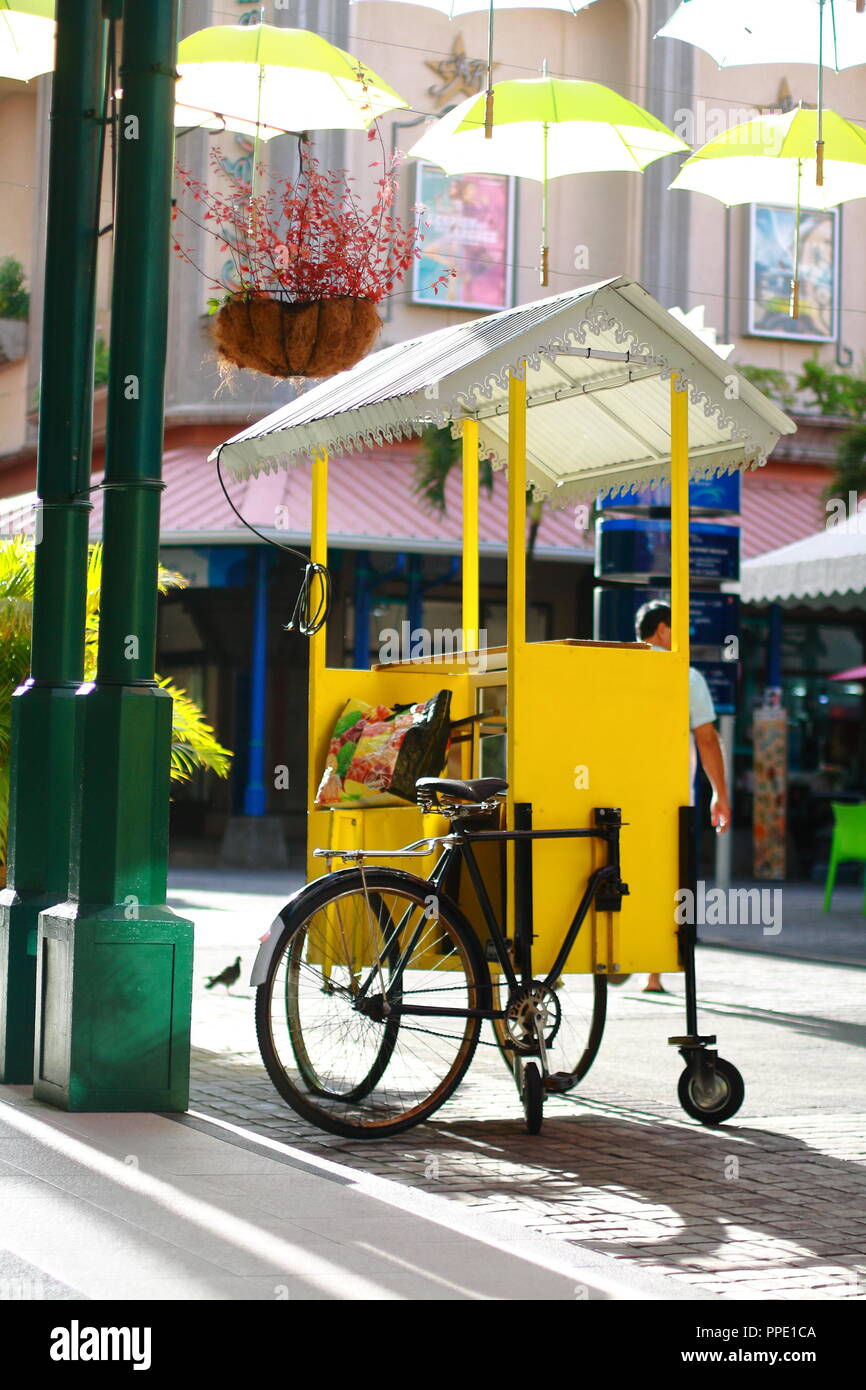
point(114, 996)
point(18, 921)
point(43, 741)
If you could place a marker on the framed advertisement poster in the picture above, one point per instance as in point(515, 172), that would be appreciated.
point(770, 269)
point(470, 229)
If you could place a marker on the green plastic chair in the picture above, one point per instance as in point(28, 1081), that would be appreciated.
point(849, 842)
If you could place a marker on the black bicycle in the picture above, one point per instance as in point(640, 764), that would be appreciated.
point(373, 985)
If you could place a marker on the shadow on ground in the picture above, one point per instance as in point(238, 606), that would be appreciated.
point(759, 1207)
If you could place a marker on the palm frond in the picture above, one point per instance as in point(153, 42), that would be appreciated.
point(436, 457)
point(194, 743)
point(16, 567)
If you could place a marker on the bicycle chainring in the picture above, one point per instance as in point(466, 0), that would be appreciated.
point(523, 1008)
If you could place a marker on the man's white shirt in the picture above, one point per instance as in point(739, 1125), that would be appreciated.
point(701, 711)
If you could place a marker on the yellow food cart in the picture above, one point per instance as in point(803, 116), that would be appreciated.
point(371, 995)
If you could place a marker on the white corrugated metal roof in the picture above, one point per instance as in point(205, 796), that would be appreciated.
point(598, 362)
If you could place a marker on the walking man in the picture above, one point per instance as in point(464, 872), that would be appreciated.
point(653, 625)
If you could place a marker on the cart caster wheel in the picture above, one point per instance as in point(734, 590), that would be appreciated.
point(532, 1095)
point(713, 1105)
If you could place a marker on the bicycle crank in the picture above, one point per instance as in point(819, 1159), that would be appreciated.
point(533, 1015)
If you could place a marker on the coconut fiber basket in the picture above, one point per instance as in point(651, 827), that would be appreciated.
point(284, 340)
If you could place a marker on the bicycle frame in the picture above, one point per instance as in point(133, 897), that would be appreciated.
point(604, 886)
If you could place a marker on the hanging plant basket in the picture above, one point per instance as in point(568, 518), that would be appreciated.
point(315, 339)
point(307, 264)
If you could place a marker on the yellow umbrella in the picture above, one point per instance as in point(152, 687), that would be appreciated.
point(740, 32)
point(262, 81)
point(772, 159)
point(545, 127)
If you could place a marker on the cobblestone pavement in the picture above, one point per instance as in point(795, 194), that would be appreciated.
point(770, 1206)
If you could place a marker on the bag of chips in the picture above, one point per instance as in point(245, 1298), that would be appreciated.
point(377, 753)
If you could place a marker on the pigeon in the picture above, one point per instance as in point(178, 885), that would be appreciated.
point(228, 977)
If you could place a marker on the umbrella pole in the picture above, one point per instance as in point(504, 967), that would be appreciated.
point(819, 144)
point(488, 103)
point(545, 249)
point(794, 306)
point(254, 170)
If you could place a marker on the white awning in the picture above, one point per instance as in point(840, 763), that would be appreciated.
point(829, 565)
point(598, 362)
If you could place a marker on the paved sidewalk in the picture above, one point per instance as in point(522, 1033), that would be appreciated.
point(139, 1207)
point(798, 925)
point(770, 1209)
point(770, 1206)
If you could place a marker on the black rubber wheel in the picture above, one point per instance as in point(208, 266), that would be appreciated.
point(354, 948)
point(532, 1095)
point(577, 1035)
point(720, 1102)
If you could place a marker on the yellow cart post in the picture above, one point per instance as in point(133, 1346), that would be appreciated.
point(571, 867)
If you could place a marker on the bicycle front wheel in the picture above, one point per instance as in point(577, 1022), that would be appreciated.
point(337, 1034)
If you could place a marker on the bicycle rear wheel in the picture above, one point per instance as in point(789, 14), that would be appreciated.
point(358, 947)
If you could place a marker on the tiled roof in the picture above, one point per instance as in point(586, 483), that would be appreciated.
point(372, 505)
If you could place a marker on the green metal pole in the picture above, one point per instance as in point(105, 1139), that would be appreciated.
point(43, 709)
point(114, 964)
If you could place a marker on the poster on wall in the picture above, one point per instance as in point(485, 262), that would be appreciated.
point(771, 260)
point(471, 230)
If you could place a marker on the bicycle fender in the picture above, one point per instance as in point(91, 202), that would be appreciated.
point(267, 946)
point(271, 938)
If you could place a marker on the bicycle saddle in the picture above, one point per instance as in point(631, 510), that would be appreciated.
point(479, 789)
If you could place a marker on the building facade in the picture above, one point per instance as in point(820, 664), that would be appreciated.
point(394, 560)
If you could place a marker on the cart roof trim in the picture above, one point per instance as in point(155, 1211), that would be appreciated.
point(597, 366)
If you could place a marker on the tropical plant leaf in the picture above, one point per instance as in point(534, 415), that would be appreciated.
point(194, 743)
point(438, 454)
point(850, 472)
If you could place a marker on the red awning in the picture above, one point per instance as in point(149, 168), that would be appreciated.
point(777, 510)
point(372, 506)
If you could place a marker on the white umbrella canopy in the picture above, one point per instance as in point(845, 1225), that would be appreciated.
point(829, 564)
point(740, 32)
point(26, 38)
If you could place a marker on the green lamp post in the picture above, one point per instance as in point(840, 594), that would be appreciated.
point(114, 967)
point(44, 709)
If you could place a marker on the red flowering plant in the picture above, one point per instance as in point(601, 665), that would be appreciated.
point(303, 241)
point(306, 238)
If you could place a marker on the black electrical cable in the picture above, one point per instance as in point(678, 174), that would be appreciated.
point(308, 621)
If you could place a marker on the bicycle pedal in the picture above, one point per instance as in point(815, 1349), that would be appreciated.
point(558, 1081)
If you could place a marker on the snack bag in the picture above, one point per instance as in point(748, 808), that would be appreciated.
point(377, 753)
